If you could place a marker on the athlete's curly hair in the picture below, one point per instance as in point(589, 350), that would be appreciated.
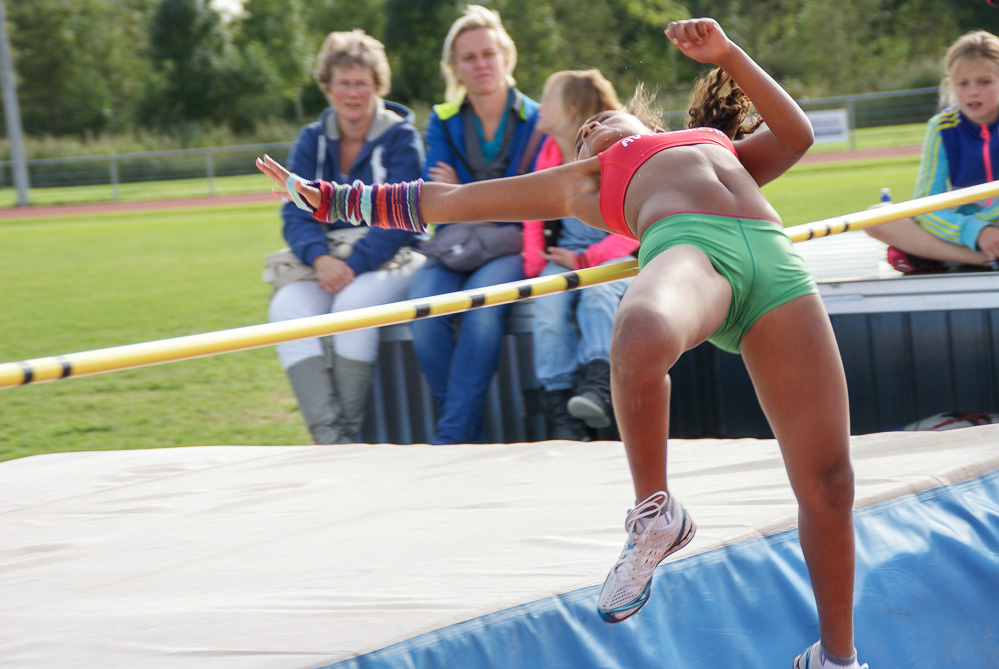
point(717, 102)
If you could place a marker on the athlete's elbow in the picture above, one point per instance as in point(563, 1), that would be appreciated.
point(799, 143)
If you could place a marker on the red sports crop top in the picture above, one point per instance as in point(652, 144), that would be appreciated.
point(619, 163)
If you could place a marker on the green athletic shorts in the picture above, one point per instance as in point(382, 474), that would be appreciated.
point(753, 254)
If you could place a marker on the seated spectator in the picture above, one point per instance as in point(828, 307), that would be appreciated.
point(961, 149)
point(484, 130)
point(572, 330)
point(340, 267)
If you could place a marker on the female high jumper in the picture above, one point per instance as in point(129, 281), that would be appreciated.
point(715, 265)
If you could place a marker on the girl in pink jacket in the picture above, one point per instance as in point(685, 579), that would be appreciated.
point(572, 330)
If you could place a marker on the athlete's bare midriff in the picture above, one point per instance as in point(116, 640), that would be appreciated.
point(702, 178)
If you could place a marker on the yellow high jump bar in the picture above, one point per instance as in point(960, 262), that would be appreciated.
point(131, 356)
point(145, 354)
point(892, 212)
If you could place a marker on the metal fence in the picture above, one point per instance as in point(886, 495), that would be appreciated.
point(871, 110)
point(116, 170)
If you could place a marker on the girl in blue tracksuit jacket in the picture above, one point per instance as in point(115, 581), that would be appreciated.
point(960, 149)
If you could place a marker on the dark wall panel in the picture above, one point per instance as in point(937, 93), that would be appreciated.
point(900, 367)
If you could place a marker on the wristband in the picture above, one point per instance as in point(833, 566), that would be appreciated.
point(392, 206)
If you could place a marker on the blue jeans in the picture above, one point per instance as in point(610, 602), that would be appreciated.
point(458, 367)
point(573, 328)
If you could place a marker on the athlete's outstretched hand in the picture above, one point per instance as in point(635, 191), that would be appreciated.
point(279, 175)
point(700, 39)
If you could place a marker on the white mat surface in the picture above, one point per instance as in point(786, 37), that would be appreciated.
point(277, 557)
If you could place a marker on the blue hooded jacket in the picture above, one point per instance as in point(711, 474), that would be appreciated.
point(392, 152)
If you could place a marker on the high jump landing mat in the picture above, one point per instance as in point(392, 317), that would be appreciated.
point(468, 557)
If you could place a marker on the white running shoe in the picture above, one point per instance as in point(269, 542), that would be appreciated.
point(812, 659)
point(654, 532)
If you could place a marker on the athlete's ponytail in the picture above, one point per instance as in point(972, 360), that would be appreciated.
point(716, 102)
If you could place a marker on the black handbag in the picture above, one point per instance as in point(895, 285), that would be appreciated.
point(465, 247)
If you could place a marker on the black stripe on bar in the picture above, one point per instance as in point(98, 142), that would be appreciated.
point(421, 310)
point(571, 280)
point(478, 299)
point(28, 371)
point(525, 291)
point(67, 367)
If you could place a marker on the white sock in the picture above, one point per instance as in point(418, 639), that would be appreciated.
point(829, 661)
point(668, 517)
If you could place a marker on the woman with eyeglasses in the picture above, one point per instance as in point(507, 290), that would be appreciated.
point(360, 136)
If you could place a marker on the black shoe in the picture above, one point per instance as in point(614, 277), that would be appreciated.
point(560, 424)
point(591, 402)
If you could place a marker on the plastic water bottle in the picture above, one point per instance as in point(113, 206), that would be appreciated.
point(886, 195)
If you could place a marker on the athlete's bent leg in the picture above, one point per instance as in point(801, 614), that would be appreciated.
point(676, 302)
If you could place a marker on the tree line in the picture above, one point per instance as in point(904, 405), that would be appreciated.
point(90, 67)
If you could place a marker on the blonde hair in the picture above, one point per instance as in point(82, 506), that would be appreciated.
point(349, 48)
point(974, 44)
point(586, 90)
point(475, 17)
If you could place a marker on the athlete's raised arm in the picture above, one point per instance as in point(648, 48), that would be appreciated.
point(771, 150)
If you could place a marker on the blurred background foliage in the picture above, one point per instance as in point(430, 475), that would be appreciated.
point(200, 72)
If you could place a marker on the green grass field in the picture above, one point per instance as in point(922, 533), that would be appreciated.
point(131, 192)
point(83, 282)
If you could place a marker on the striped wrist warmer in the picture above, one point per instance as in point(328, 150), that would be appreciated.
point(393, 206)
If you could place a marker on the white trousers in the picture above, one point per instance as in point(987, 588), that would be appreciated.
point(305, 298)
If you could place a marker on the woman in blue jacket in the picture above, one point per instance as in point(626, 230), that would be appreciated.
point(484, 130)
point(961, 149)
point(360, 136)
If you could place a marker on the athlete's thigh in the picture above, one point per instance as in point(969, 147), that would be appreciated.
point(679, 287)
point(794, 362)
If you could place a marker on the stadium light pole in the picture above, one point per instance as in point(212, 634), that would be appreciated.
point(11, 113)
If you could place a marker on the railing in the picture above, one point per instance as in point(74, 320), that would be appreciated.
point(207, 165)
point(115, 170)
